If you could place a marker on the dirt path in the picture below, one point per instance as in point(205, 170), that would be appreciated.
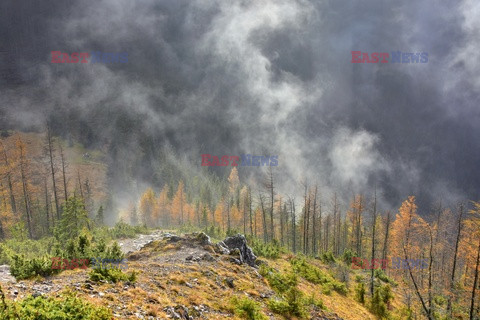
point(135, 244)
point(127, 245)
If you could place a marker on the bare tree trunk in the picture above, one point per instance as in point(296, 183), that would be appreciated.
point(47, 203)
point(287, 225)
point(64, 165)
point(294, 236)
point(228, 217)
point(80, 185)
point(25, 190)
point(335, 243)
point(327, 235)
point(452, 280)
point(430, 274)
point(305, 221)
point(249, 192)
point(282, 227)
point(474, 287)
point(271, 187)
point(385, 242)
point(359, 226)
point(9, 179)
point(314, 223)
point(52, 167)
point(320, 218)
point(245, 215)
point(2, 200)
point(417, 291)
point(307, 248)
point(264, 219)
point(181, 208)
point(372, 276)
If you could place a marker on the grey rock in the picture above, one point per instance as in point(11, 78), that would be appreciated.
point(173, 239)
point(221, 248)
point(208, 257)
point(203, 239)
point(230, 283)
point(246, 253)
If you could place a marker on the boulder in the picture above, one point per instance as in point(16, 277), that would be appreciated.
point(239, 242)
point(221, 248)
point(203, 239)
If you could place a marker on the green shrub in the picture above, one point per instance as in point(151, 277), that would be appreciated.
point(327, 257)
point(327, 289)
point(360, 292)
point(314, 275)
point(439, 300)
point(247, 309)
point(23, 268)
point(26, 247)
point(111, 275)
point(42, 308)
point(312, 301)
point(114, 252)
point(291, 303)
point(279, 282)
point(380, 274)
point(382, 296)
point(270, 250)
point(124, 230)
point(340, 287)
point(347, 256)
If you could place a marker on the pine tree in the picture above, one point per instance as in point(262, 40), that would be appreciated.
point(74, 219)
point(100, 218)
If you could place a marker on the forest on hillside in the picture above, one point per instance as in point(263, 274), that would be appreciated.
point(240, 159)
point(43, 196)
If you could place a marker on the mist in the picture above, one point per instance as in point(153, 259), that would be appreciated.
point(258, 77)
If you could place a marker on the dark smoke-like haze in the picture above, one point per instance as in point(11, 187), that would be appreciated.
point(269, 77)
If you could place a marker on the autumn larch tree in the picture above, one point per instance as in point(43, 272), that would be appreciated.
point(23, 165)
point(178, 204)
point(6, 169)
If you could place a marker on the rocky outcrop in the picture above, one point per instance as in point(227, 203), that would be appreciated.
point(239, 243)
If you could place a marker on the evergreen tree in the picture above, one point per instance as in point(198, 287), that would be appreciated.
point(100, 218)
point(74, 219)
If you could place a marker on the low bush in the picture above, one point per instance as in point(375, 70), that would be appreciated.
point(292, 303)
point(327, 257)
point(380, 274)
point(279, 282)
point(124, 230)
point(111, 275)
point(314, 275)
point(312, 301)
point(360, 292)
point(42, 308)
point(247, 309)
point(347, 257)
point(382, 296)
point(23, 268)
point(268, 250)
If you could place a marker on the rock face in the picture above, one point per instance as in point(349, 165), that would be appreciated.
point(239, 242)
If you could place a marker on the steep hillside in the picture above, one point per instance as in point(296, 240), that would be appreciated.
point(190, 277)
